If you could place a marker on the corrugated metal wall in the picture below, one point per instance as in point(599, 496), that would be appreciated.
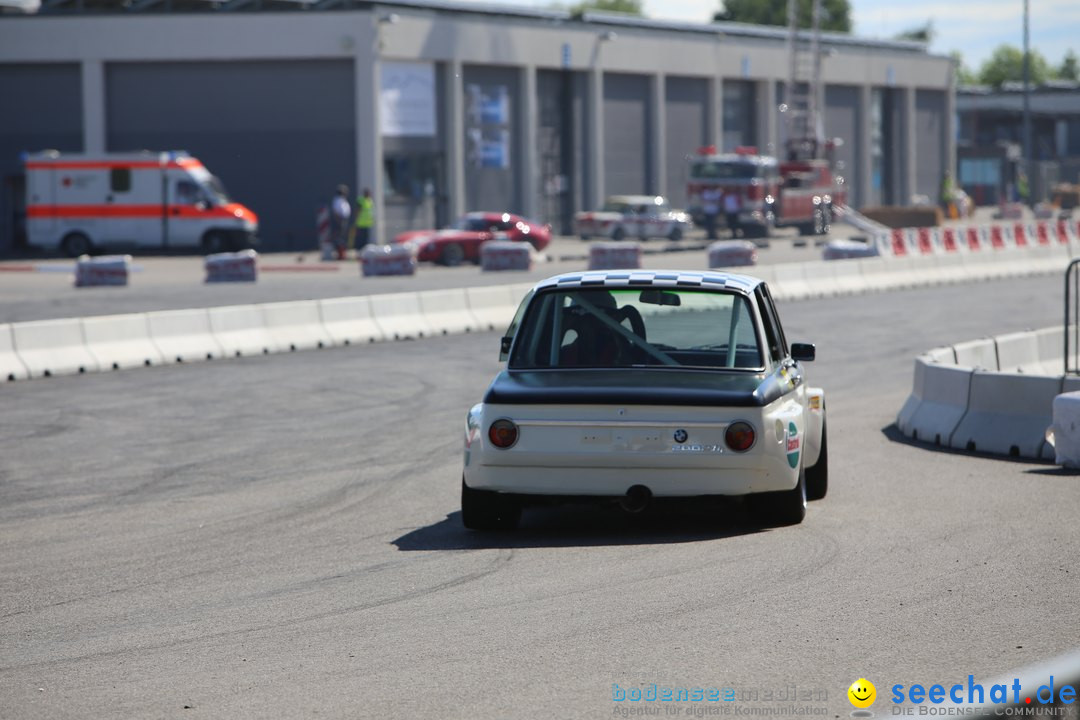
point(686, 105)
point(280, 134)
point(42, 108)
point(627, 129)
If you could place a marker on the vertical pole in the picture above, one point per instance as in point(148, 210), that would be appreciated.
point(530, 161)
point(658, 158)
point(1028, 154)
point(596, 136)
point(93, 106)
point(455, 138)
point(368, 131)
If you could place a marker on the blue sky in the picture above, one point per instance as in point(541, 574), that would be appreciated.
point(974, 27)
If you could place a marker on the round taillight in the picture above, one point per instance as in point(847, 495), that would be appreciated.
point(739, 436)
point(503, 433)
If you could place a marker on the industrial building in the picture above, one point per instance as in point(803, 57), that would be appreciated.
point(445, 107)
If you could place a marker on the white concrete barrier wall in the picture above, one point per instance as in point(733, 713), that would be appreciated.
point(183, 335)
point(1007, 414)
point(53, 347)
point(493, 307)
point(399, 316)
point(977, 354)
point(295, 325)
point(1065, 429)
point(11, 367)
point(120, 341)
point(240, 330)
point(940, 402)
point(348, 320)
point(1017, 352)
point(447, 311)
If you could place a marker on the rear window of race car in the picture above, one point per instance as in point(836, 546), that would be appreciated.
point(634, 327)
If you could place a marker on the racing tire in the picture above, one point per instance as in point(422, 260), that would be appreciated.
point(817, 476)
point(452, 255)
point(618, 234)
point(785, 507)
point(214, 241)
point(487, 510)
point(76, 244)
point(675, 235)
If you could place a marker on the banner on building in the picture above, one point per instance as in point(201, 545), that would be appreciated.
point(407, 99)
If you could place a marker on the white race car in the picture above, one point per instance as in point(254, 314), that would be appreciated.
point(633, 216)
point(629, 385)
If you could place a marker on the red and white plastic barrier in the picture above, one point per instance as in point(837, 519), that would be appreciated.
point(499, 255)
point(732, 253)
point(916, 242)
point(615, 256)
point(232, 267)
point(106, 270)
point(387, 260)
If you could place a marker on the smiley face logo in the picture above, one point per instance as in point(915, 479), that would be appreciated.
point(862, 693)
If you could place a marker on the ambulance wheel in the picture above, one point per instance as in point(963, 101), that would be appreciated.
point(76, 244)
point(452, 255)
point(675, 235)
point(214, 242)
point(618, 234)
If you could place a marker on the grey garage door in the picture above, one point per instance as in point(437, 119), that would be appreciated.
point(279, 134)
point(42, 109)
point(842, 121)
point(929, 142)
point(686, 105)
point(627, 128)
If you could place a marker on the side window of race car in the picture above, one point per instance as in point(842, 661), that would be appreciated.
point(508, 336)
point(768, 319)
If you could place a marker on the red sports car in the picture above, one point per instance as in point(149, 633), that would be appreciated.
point(462, 241)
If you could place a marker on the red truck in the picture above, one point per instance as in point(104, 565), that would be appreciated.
point(797, 193)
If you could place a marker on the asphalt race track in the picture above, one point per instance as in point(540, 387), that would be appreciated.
point(279, 537)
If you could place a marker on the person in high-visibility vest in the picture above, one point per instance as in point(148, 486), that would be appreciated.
point(365, 218)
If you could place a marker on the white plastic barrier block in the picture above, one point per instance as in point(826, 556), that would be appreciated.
point(1007, 414)
point(732, 253)
point(1051, 351)
point(790, 282)
point(844, 249)
point(183, 335)
point(493, 307)
point(232, 267)
point(399, 316)
point(120, 341)
point(53, 347)
point(348, 320)
point(951, 268)
point(937, 403)
point(241, 331)
point(295, 325)
point(11, 367)
point(1065, 429)
point(941, 355)
point(398, 259)
point(980, 354)
point(499, 255)
point(765, 273)
point(615, 256)
point(1017, 351)
point(105, 270)
point(447, 311)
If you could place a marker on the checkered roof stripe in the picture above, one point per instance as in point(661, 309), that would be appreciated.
point(653, 278)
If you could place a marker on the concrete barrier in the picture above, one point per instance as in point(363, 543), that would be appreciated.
point(11, 367)
point(231, 267)
point(53, 347)
point(1017, 352)
point(492, 307)
point(938, 402)
point(732, 253)
point(944, 355)
point(399, 316)
point(980, 354)
point(183, 335)
point(348, 320)
point(1065, 429)
point(1051, 351)
point(499, 255)
point(388, 260)
point(105, 270)
point(295, 325)
point(848, 278)
point(1007, 414)
point(240, 330)
point(625, 255)
point(447, 311)
point(790, 280)
point(120, 341)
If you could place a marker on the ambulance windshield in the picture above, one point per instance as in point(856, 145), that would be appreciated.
point(216, 190)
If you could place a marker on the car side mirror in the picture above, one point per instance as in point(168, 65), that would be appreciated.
point(803, 352)
point(504, 347)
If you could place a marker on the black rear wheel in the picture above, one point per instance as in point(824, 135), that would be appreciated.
point(452, 255)
point(487, 510)
point(817, 477)
point(786, 507)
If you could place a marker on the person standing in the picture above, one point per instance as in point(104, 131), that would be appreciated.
point(340, 212)
point(710, 208)
point(365, 218)
point(732, 206)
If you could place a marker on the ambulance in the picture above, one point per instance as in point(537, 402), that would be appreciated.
point(80, 203)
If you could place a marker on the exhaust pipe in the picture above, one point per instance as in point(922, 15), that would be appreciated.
point(636, 499)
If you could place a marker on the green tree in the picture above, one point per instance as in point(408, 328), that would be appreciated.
point(835, 14)
point(964, 75)
point(922, 33)
point(1007, 64)
point(630, 7)
point(1069, 69)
